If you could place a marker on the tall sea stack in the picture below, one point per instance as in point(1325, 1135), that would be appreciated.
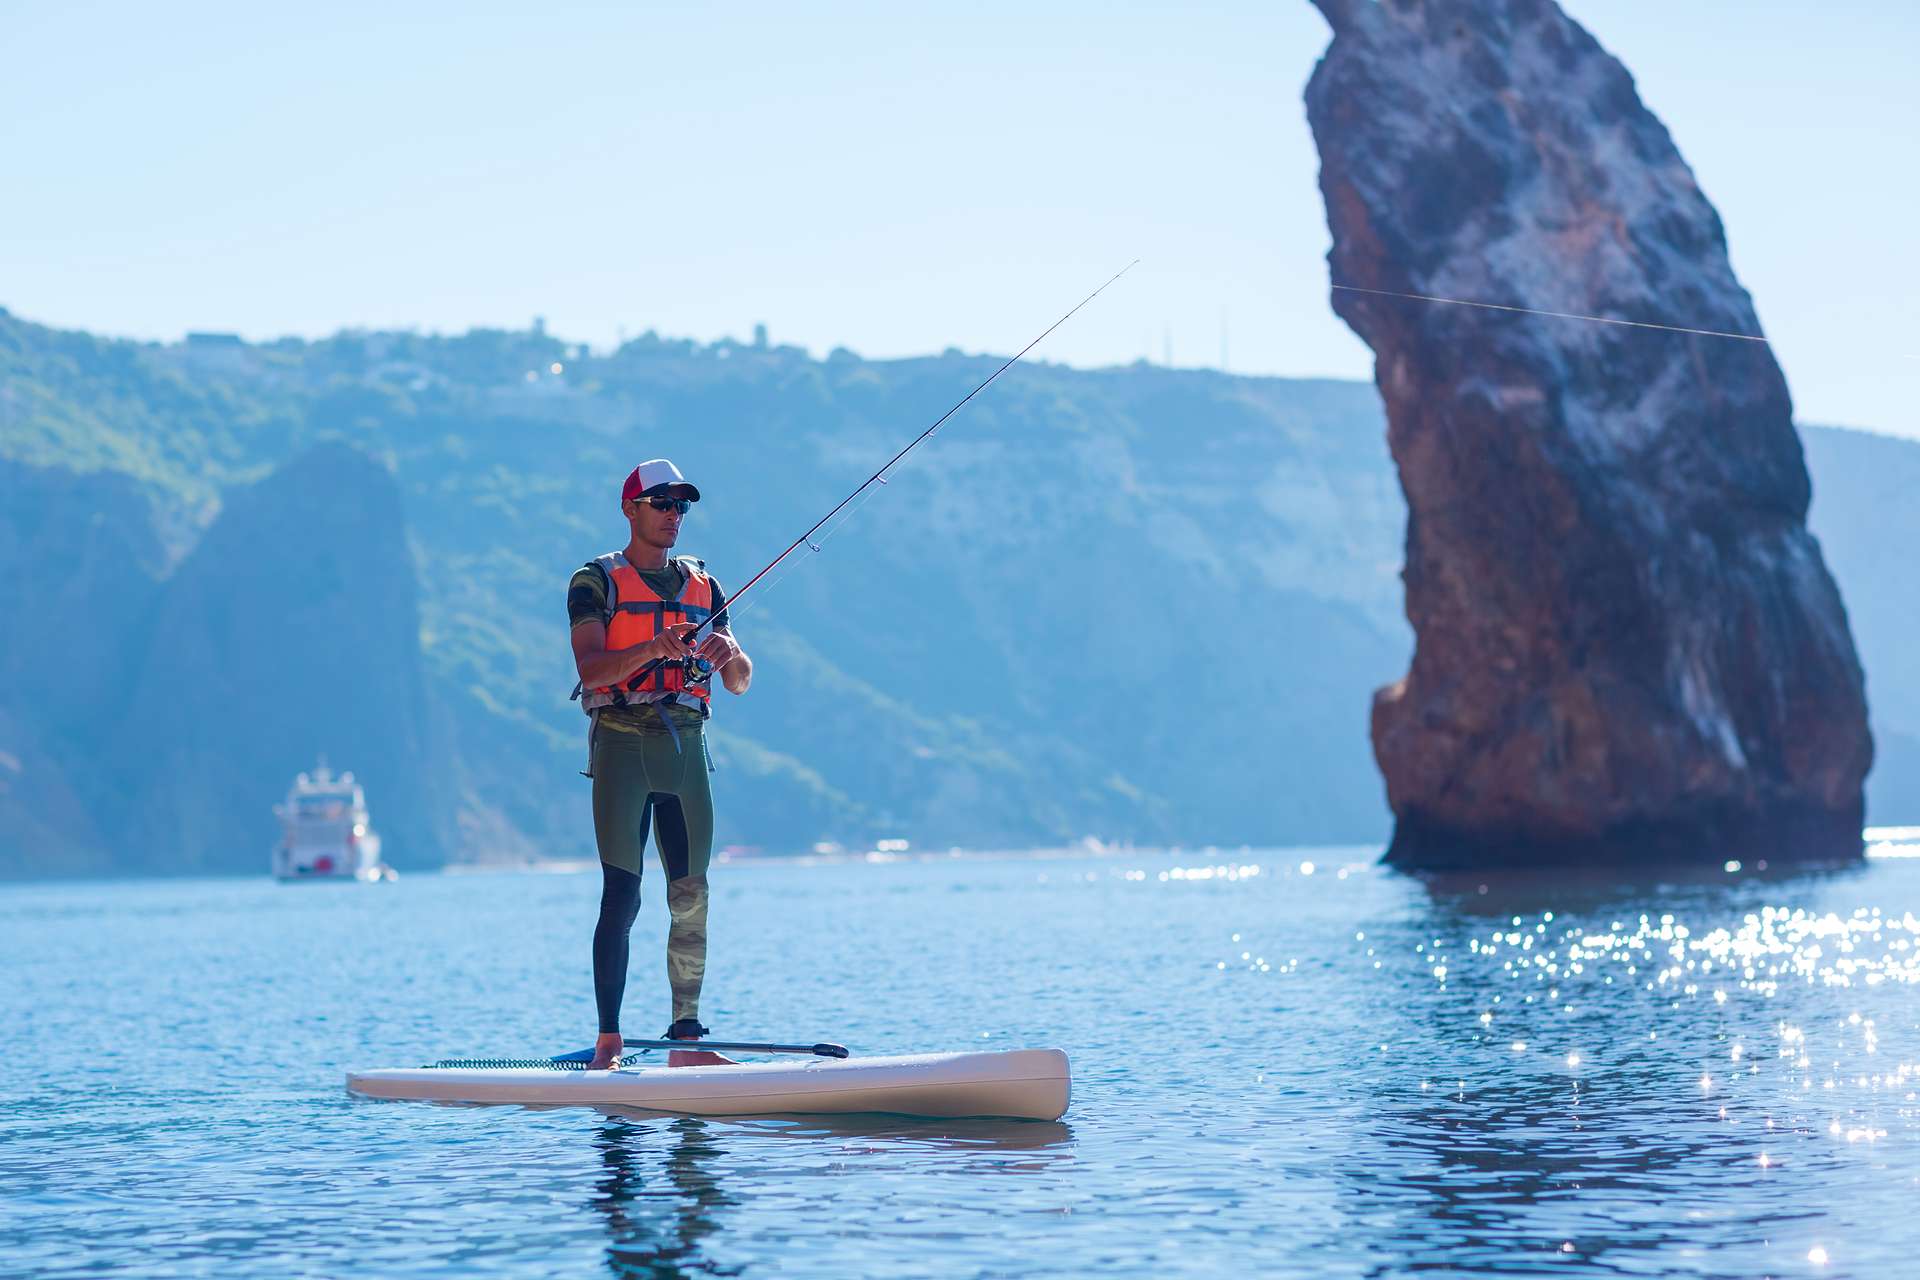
point(1627, 646)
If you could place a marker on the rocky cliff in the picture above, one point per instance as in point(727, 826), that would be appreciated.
point(152, 712)
point(80, 554)
point(291, 632)
point(1627, 643)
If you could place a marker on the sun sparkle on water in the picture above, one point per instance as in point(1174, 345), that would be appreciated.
point(1715, 1079)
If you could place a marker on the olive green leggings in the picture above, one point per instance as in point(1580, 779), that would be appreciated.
point(637, 776)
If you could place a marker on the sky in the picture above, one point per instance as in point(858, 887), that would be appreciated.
point(896, 179)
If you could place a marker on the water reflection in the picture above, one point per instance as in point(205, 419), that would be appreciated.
point(1326, 1071)
point(669, 1183)
point(661, 1199)
point(1571, 889)
point(990, 1138)
point(1617, 1073)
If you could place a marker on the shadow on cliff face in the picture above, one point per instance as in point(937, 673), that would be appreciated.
point(73, 547)
point(292, 631)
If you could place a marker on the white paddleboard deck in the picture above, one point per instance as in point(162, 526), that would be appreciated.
point(1030, 1084)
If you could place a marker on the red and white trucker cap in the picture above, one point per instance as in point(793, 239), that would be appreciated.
point(657, 473)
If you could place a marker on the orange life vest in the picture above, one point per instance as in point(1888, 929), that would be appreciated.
point(637, 614)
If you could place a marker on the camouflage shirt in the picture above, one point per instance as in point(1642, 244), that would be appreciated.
point(587, 602)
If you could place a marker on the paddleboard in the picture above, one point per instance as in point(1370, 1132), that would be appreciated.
point(1029, 1084)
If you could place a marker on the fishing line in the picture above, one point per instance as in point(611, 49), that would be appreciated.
point(1557, 315)
point(815, 546)
point(880, 476)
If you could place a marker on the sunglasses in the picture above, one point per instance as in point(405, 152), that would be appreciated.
point(670, 504)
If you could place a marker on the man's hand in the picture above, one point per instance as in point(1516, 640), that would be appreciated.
point(599, 665)
point(718, 648)
point(671, 644)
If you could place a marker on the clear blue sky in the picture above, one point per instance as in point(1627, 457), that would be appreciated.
point(892, 178)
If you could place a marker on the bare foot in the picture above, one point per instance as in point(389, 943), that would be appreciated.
point(606, 1052)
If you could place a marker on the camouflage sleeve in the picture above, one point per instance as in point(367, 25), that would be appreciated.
point(587, 596)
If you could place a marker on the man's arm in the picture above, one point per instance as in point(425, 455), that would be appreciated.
point(600, 666)
point(737, 674)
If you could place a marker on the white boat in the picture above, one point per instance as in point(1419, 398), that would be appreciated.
point(1027, 1084)
point(325, 833)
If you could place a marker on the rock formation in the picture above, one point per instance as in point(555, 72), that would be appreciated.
point(78, 555)
point(290, 632)
point(1627, 643)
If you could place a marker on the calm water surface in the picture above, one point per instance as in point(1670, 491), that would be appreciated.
point(1277, 1071)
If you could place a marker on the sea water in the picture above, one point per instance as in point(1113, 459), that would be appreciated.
point(1285, 1062)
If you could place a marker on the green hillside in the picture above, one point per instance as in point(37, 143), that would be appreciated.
point(1135, 604)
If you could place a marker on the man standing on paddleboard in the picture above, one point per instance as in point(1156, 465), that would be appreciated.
point(633, 614)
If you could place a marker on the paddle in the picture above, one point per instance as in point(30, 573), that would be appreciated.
point(822, 1050)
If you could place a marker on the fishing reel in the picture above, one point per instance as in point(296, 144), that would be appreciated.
point(695, 670)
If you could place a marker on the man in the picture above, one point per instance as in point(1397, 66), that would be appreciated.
point(633, 613)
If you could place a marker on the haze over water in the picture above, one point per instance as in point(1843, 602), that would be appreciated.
point(1346, 1071)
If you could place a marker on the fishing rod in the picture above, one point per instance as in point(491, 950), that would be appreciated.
point(880, 476)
